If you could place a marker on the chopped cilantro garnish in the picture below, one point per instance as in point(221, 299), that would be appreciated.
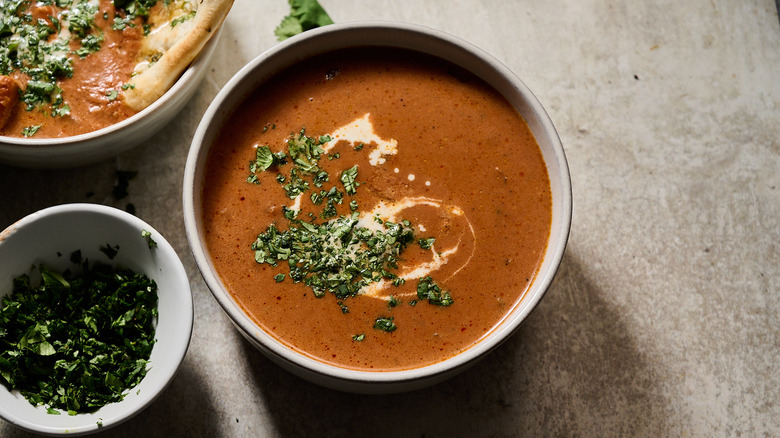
point(182, 18)
point(358, 338)
point(29, 131)
point(76, 343)
point(81, 18)
point(428, 290)
point(89, 44)
point(264, 159)
point(336, 256)
point(385, 324)
point(148, 236)
point(304, 15)
point(393, 302)
point(348, 178)
point(120, 23)
point(426, 243)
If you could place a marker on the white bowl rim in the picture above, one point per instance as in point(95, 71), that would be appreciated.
point(167, 373)
point(512, 320)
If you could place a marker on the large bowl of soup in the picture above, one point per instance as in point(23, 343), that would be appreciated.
point(80, 83)
point(376, 206)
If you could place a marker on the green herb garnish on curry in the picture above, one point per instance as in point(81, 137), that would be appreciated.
point(336, 254)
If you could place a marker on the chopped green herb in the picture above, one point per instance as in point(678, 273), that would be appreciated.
point(348, 178)
point(90, 44)
point(279, 278)
point(121, 23)
point(77, 343)
point(426, 243)
point(359, 338)
point(112, 95)
point(264, 159)
point(182, 18)
point(60, 111)
point(428, 290)
point(304, 15)
point(81, 18)
point(385, 324)
point(29, 131)
point(336, 256)
point(393, 302)
point(148, 236)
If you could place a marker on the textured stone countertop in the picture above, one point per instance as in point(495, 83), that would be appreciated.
point(664, 318)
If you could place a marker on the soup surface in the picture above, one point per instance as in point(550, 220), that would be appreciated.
point(402, 152)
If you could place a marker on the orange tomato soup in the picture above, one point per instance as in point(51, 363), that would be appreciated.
point(433, 145)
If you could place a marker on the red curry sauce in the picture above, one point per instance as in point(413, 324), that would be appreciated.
point(459, 142)
point(88, 91)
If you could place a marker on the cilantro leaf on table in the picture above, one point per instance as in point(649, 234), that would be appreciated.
point(304, 15)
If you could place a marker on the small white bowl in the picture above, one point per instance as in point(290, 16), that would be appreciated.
point(386, 34)
point(49, 236)
point(112, 140)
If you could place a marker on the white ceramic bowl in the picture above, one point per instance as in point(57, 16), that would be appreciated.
point(392, 35)
point(112, 140)
point(38, 238)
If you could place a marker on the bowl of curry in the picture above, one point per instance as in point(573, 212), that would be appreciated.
point(84, 80)
point(376, 205)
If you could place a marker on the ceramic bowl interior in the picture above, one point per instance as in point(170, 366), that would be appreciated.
point(112, 140)
point(396, 35)
point(48, 237)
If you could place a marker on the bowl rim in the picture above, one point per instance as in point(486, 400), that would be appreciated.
point(226, 101)
point(9, 144)
point(167, 254)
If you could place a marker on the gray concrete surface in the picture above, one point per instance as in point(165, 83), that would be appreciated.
point(664, 318)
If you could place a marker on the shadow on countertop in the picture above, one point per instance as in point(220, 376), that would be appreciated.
point(572, 369)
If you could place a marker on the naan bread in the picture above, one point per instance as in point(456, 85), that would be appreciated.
point(171, 45)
